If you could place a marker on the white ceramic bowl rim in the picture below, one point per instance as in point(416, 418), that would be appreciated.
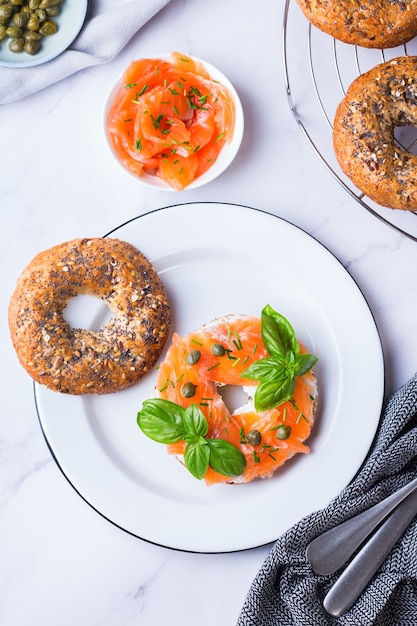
point(226, 156)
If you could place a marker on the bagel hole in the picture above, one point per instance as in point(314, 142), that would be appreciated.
point(233, 396)
point(406, 137)
point(87, 312)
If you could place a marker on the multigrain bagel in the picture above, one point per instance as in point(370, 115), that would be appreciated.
point(369, 23)
point(363, 133)
point(79, 361)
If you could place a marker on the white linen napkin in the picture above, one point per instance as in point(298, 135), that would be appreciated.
point(109, 25)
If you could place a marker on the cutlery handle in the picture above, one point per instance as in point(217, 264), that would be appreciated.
point(358, 574)
point(330, 550)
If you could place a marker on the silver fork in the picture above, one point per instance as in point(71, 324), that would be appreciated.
point(330, 550)
point(360, 571)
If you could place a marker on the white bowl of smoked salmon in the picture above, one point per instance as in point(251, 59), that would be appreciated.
point(174, 122)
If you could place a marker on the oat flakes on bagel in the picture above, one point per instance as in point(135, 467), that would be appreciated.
point(363, 133)
point(369, 23)
point(78, 361)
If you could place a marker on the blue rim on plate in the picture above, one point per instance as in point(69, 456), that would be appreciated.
point(70, 21)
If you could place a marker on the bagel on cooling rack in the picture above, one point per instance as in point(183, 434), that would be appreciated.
point(79, 361)
point(363, 133)
point(369, 23)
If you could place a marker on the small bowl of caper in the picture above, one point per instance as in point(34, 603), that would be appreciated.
point(35, 31)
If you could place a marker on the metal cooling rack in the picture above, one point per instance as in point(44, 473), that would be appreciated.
point(317, 73)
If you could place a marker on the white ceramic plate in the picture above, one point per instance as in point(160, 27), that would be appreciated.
point(216, 259)
point(69, 21)
point(225, 157)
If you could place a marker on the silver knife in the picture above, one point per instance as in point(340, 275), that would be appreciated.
point(360, 571)
point(330, 550)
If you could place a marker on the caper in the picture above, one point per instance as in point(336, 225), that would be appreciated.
point(45, 4)
point(16, 45)
point(25, 22)
point(33, 22)
point(48, 28)
point(32, 47)
point(6, 11)
point(217, 349)
point(283, 432)
point(20, 19)
point(14, 32)
point(254, 437)
point(41, 13)
point(31, 35)
point(193, 357)
point(53, 11)
point(188, 390)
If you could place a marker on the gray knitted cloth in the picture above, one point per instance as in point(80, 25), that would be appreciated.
point(286, 592)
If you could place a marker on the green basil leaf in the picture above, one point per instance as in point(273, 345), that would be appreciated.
point(269, 395)
point(190, 438)
point(196, 459)
point(269, 368)
point(277, 334)
point(225, 458)
point(304, 363)
point(289, 364)
point(194, 421)
point(161, 420)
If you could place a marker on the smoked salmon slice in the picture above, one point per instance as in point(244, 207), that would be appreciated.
point(170, 119)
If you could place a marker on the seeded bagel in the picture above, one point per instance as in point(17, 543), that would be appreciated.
point(367, 23)
point(78, 361)
point(363, 133)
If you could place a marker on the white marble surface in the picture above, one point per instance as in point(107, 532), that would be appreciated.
point(61, 563)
